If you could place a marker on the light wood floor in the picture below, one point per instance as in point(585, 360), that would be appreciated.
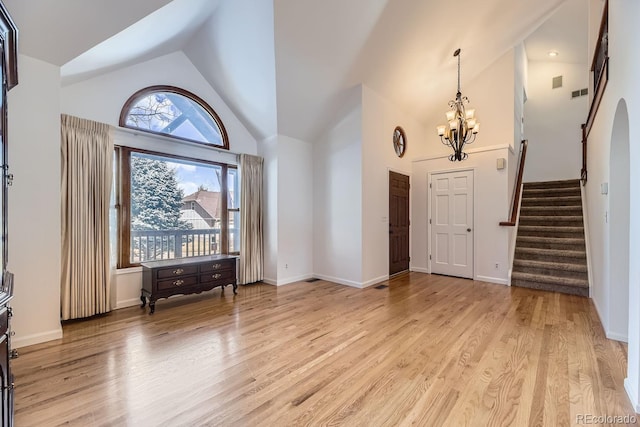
point(427, 351)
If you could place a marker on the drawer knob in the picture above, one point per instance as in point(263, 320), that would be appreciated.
point(216, 266)
point(178, 271)
point(178, 282)
point(216, 276)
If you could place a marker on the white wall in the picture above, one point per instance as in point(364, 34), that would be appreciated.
point(288, 220)
point(624, 67)
point(521, 76)
point(552, 121)
point(34, 202)
point(295, 210)
point(101, 98)
point(379, 119)
point(337, 202)
point(492, 94)
point(268, 149)
point(235, 52)
point(491, 241)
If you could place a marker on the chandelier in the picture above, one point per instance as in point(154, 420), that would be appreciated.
point(461, 127)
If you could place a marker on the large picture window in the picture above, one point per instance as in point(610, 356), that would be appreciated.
point(174, 207)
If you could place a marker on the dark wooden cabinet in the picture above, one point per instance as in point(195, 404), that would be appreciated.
point(162, 279)
point(9, 78)
point(6, 377)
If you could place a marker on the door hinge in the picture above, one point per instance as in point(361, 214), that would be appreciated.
point(430, 185)
point(429, 220)
point(429, 257)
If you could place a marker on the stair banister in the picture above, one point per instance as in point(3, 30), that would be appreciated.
point(518, 188)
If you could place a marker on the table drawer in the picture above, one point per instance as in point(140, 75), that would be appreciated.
point(164, 273)
point(226, 276)
point(214, 266)
point(177, 282)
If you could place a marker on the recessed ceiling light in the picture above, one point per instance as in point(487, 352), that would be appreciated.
point(553, 53)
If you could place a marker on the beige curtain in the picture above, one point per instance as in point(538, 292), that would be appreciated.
point(87, 174)
point(251, 246)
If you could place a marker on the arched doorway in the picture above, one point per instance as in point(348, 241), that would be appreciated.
point(619, 195)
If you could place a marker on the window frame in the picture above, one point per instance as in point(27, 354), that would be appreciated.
point(142, 93)
point(123, 201)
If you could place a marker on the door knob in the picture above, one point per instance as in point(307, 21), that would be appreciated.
point(469, 230)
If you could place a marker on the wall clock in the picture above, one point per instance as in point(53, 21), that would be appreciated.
point(399, 141)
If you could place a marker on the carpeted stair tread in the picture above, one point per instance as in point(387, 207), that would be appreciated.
point(551, 210)
point(550, 192)
point(551, 201)
point(568, 243)
point(541, 231)
point(559, 220)
point(550, 249)
point(552, 280)
point(571, 290)
point(550, 253)
point(578, 268)
point(553, 184)
point(551, 240)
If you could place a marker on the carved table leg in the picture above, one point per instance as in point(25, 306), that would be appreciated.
point(235, 289)
point(152, 307)
point(144, 300)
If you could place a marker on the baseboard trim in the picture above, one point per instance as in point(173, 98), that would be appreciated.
point(419, 270)
point(375, 281)
point(269, 281)
point(127, 303)
point(294, 279)
point(339, 281)
point(616, 337)
point(632, 393)
point(39, 338)
point(496, 280)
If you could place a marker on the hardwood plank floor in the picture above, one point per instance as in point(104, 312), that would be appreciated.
point(428, 350)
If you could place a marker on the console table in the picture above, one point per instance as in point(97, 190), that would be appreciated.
point(162, 279)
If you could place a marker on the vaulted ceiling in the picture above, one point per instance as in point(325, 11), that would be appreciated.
point(288, 66)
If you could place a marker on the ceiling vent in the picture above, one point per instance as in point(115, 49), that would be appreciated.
point(578, 93)
point(556, 82)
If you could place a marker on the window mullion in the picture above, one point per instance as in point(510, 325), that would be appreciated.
point(224, 226)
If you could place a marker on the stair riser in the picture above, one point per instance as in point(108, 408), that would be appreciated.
point(551, 272)
point(550, 222)
point(571, 290)
point(557, 246)
point(537, 256)
point(571, 183)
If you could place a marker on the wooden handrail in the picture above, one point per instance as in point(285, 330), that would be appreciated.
point(600, 70)
point(518, 188)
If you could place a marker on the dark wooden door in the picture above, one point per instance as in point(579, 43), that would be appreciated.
point(398, 223)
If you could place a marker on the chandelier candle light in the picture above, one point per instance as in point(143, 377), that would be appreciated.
point(461, 127)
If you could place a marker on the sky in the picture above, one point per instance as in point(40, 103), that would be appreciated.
point(190, 176)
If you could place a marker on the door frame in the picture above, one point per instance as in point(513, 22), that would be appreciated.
point(408, 175)
point(474, 211)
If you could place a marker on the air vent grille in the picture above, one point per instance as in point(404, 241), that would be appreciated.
point(579, 92)
point(556, 82)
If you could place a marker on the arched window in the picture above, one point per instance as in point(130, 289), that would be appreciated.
point(176, 113)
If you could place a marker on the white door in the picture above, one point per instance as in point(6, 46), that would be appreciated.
point(452, 224)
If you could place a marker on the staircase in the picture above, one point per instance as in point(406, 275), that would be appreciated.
point(550, 249)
